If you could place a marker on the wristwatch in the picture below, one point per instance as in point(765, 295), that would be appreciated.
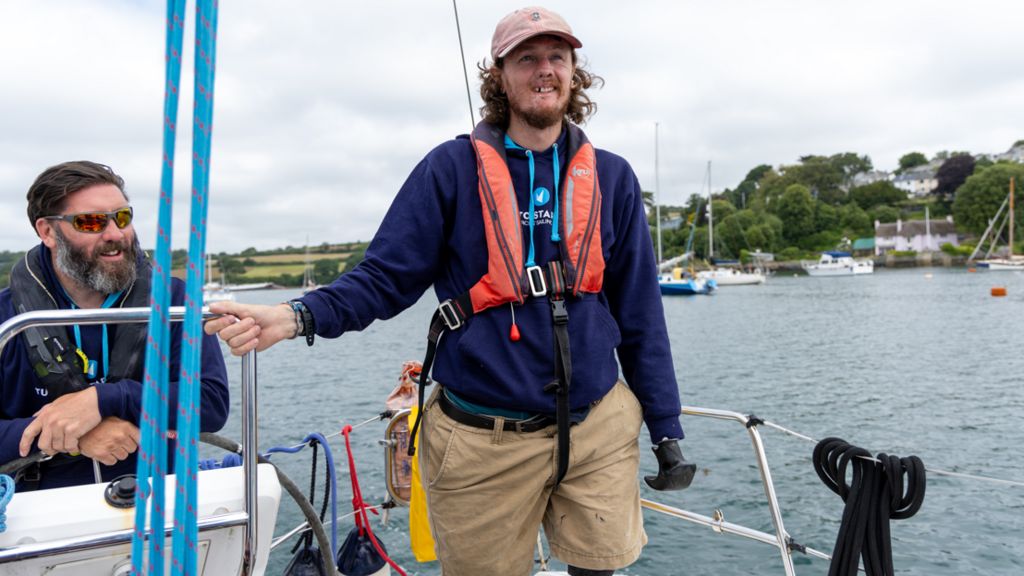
point(304, 324)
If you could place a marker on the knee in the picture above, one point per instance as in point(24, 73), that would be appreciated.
point(574, 571)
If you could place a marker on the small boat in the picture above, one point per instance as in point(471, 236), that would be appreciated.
point(835, 263)
point(679, 283)
point(731, 277)
point(1010, 261)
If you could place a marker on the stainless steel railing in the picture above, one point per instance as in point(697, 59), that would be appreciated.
point(14, 326)
point(781, 539)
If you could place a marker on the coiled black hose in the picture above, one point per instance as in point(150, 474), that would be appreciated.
point(876, 493)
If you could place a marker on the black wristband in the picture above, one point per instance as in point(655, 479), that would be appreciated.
point(307, 327)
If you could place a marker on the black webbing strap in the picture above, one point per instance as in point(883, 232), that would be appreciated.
point(450, 315)
point(563, 364)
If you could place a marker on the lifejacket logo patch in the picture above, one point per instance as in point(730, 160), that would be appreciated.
point(580, 172)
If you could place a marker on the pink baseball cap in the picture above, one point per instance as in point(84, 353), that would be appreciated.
point(526, 23)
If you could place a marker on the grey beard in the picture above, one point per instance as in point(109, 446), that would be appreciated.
point(86, 269)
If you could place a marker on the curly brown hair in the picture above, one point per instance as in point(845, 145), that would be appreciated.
point(496, 108)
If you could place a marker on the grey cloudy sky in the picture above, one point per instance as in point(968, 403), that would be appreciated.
point(323, 107)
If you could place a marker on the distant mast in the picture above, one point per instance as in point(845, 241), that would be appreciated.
point(1012, 223)
point(711, 219)
point(657, 194)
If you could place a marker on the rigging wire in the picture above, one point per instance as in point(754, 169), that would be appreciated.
point(465, 72)
point(927, 469)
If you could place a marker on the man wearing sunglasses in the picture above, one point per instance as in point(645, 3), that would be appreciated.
point(74, 392)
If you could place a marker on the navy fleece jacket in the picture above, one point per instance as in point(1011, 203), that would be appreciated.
point(433, 234)
point(20, 398)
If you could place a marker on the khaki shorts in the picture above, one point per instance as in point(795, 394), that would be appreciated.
point(489, 491)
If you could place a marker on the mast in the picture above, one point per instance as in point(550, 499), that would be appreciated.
point(711, 225)
point(1012, 223)
point(657, 195)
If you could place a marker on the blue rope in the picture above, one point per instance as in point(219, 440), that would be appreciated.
point(186, 533)
point(6, 493)
point(232, 459)
point(153, 420)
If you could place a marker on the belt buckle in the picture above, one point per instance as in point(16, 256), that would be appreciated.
point(449, 315)
point(538, 285)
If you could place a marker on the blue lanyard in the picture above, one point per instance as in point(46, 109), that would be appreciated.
point(510, 144)
point(90, 368)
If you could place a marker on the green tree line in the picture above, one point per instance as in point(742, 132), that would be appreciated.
point(797, 210)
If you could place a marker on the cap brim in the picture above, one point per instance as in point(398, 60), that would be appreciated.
point(569, 38)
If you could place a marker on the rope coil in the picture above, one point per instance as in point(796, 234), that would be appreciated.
point(876, 493)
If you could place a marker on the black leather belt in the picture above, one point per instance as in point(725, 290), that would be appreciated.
point(486, 422)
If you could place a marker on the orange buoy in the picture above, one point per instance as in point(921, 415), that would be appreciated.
point(972, 269)
point(999, 290)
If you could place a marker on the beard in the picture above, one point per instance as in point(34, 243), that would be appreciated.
point(540, 119)
point(91, 271)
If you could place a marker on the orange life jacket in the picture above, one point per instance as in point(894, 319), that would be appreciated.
point(580, 212)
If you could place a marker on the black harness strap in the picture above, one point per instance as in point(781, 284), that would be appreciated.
point(563, 364)
point(450, 315)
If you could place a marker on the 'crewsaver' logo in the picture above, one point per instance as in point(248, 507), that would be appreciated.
point(577, 171)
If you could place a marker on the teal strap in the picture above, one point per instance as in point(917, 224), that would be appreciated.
point(108, 303)
point(474, 408)
point(554, 223)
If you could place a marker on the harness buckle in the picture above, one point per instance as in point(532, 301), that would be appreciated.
point(558, 312)
point(450, 315)
point(538, 284)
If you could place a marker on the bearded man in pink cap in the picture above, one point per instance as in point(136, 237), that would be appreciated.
point(538, 249)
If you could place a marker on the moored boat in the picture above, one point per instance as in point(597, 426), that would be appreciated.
point(835, 263)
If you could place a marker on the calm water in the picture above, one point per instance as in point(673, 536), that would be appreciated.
point(918, 361)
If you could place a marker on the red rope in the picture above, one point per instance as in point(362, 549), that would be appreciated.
point(360, 507)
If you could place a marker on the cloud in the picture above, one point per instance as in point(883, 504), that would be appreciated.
point(323, 108)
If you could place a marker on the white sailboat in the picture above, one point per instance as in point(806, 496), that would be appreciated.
point(214, 291)
point(724, 275)
point(1011, 261)
point(308, 279)
point(675, 282)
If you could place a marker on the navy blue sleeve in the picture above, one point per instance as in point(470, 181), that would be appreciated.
point(631, 286)
point(401, 262)
point(17, 397)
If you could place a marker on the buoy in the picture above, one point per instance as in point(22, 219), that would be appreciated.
point(999, 290)
point(928, 276)
point(972, 269)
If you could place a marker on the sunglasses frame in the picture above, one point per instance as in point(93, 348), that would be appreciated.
point(110, 216)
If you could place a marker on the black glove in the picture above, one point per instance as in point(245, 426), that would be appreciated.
point(674, 472)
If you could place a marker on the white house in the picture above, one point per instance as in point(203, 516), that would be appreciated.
point(918, 181)
point(914, 235)
point(870, 177)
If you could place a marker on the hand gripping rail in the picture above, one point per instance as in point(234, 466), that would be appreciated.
point(21, 322)
point(781, 538)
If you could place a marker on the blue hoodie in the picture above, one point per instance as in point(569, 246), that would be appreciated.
point(19, 399)
point(433, 234)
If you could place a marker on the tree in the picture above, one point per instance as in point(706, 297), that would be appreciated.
point(854, 220)
point(850, 164)
point(326, 270)
point(952, 174)
point(912, 159)
point(884, 214)
point(876, 193)
point(796, 210)
point(980, 197)
point(825, 217)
